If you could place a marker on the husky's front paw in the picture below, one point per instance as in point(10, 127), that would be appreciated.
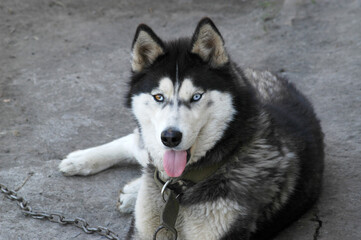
point(77, 163)
point(128, 196)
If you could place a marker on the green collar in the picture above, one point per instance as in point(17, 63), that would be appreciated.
point(197, 175)
point(194, 175)
point(169, 213)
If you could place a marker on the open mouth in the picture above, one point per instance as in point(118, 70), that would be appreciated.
point(174, 162)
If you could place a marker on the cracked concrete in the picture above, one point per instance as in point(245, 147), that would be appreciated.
point(318, 226)
point(317, 223)
point(30, 174)
point(63, 71)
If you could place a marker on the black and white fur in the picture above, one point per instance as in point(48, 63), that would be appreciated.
point(262, 125)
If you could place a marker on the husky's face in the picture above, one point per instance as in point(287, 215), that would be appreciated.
point(179, 96)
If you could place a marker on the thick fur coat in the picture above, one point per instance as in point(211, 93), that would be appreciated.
point(196, 109)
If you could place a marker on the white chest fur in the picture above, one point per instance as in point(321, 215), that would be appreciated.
point(210, 220)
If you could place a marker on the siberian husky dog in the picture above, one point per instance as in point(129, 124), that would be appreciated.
point(226, 153)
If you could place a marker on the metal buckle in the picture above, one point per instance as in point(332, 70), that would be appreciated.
point(165, 225)
point(164, 188)
point(173, 230)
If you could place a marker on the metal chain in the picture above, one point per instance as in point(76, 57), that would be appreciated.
point(57, 218)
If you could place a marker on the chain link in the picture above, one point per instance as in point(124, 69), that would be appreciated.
point(57, 218)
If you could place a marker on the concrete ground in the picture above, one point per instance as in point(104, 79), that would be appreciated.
point(64, 65)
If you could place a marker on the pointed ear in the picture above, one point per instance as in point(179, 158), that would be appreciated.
point(146, 47)
point(208, 43)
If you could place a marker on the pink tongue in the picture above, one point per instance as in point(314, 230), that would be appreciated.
point(174, 162)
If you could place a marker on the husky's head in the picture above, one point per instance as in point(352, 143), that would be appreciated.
point(181, 95)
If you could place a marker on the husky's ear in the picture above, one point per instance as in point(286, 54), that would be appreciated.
point(146, 47)
point(208, 43)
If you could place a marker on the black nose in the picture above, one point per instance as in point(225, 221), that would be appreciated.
point(171, 137)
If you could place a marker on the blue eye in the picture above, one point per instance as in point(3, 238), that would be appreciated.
point(196, 97)
point(158, 97)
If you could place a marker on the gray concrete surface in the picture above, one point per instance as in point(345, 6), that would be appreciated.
point(63, 71)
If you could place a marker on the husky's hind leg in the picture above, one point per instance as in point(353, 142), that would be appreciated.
point(96, 159)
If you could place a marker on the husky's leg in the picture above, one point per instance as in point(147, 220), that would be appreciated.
point(128, 196)
point(96, 159)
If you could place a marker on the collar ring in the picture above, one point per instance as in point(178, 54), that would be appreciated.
point(164, 188)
